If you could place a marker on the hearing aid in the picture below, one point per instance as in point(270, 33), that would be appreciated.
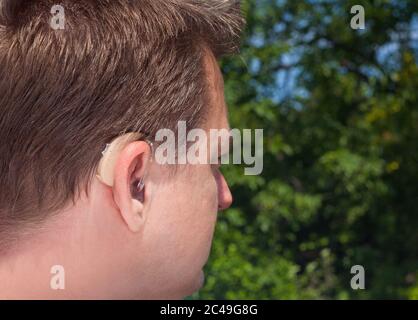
point(105, 169)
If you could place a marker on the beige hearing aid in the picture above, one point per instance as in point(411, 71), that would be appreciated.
point(105, 170)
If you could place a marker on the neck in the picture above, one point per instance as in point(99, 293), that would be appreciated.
point(54, 261)
point(30, 266)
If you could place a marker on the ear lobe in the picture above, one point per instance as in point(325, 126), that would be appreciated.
point(130, 166)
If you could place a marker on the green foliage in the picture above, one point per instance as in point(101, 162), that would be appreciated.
point(339, 186)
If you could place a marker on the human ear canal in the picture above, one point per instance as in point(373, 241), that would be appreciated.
point(138, 190)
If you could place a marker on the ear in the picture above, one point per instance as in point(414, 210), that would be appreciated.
point(130, 166)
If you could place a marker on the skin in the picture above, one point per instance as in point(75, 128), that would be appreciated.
point(114, 245)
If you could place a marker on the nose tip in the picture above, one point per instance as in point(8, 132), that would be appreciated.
point(225, 196)
point(227, 202)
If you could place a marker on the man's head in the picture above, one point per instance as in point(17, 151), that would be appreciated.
point(117, 67)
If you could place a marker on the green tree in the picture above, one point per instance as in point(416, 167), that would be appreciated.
point(339, 109)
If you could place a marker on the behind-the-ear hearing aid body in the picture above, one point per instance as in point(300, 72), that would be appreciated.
point(105, 170)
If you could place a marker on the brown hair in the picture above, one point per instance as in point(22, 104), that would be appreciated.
point(119, 65)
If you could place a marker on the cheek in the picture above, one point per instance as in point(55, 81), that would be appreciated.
point(198, 211)
point(211, 195)
point(179, 230)
point(203, 201)
point(184, 215)
point(202, 192)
